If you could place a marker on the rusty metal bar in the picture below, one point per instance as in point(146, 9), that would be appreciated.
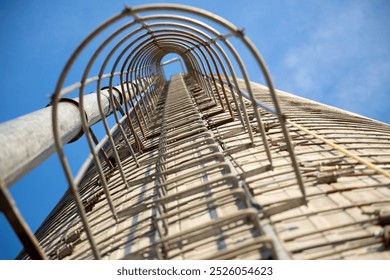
point(15, 219)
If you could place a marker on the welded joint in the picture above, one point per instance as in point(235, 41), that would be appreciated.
point(240, 32)
point(127, 10)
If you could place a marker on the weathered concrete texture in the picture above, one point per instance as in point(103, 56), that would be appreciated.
point(347, 202)
point(204, 191)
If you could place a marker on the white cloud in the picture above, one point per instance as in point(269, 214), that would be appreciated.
point(345, 61)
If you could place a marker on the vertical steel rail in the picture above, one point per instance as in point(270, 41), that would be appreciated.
point(58, 143)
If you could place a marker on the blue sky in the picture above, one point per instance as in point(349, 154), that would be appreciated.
point(336, 52)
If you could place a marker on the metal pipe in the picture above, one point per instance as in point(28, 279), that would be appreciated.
point(28, 140)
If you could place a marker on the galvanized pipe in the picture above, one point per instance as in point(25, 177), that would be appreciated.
point(28, 140)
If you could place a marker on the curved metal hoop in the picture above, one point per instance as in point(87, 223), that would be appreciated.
point(135, 52)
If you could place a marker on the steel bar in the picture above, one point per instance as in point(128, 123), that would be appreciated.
point(11, 212)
